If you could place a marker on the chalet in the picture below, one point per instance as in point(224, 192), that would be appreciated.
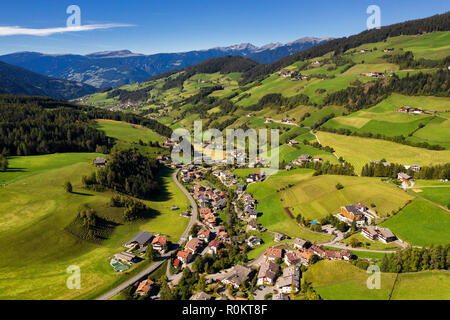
point(388, 50)
point(404, 109)
point(404, 177)
point(301, 244)
point(277, 237)
point(416, 168)
point(364, 50)
point(318, 251)
point(375, 233)
point(355, 212)
point(184, 256)
point(267, 273)
point(214, 246)
point(210, 220)
point(194, 245)
point(290, 281)
point(252, 225)
point(291, 258)
point(126, 258)
point(253, 241)
point(204, 234)
point(237, 276)
point(219, 204)
point(374, 74)
point(293, 142)
point(200, 296)
point(306, 254)
point(145, 287)
point(252, 213)
point(338, 255)
point(174, 208)
point(159, 243)
point(100, 162)
point(273, 254)
point(317, 159)
point(205, 211)
point(140, 240)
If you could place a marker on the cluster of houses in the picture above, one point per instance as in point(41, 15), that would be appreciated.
point(294, 75)
point(256, 176)
point(288, 121)
point(302, 253)
point(226, 176)
point(210, 201)
point(190, 173)
point(414, 167)
point(409, 110)
point(139, 245)
point(306, 158)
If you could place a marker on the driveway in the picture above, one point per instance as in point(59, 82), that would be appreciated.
point(260, 292)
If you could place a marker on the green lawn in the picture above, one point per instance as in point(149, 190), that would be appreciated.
point(369, 244)
point(422, 224)
point(438, 193)
point(127, 132)
point(35, 248)
point(429, 285)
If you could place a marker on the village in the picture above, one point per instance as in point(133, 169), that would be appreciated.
point(275, 274)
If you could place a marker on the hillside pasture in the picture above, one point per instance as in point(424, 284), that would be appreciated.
point(128, 132)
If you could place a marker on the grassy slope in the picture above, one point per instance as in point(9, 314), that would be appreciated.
point(273, 216)
point(360, 151)
point(36, 250)
point(421, 224)
point(123, 131)
point(317, 197)
point(338, 280)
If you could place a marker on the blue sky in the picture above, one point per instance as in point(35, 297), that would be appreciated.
point(174, 25)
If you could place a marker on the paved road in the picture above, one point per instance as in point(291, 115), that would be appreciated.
point(166, 256)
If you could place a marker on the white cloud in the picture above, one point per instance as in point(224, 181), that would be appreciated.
point(15, 30)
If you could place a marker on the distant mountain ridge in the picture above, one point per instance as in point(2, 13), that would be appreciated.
point(116, 68)
point(18, 81)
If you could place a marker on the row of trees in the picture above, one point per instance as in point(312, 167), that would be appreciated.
point(392, 170)
point(417, 259)
point(343, 169)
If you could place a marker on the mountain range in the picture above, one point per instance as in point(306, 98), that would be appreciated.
point(16, 80)
point(116, 68)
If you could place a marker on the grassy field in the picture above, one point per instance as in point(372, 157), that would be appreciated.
point(422, 224)
point(36, 249)
point(385, 119)
point(360, 151)
point(123, 131)
point(273, 216)
point(318, 197)
point(338, 280)
point(436, 193)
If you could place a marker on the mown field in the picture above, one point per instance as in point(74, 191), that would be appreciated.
point(35, 247)
point(385, 119)
point(360, 151)
point(439, 193)
point(339, 280)
point(269, 204)
point(318, 197)
point(128, 132)
point(421, 224)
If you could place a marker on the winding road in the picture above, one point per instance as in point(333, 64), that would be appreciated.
point(155, 265)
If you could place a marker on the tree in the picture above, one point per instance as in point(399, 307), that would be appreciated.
point(355, 243)
point(339, 186)
point(152, 254)
point(68, 187)
point(3, 163)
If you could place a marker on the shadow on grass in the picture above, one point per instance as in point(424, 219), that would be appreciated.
point(164, 194)
point(82, 194)
point(16, 170)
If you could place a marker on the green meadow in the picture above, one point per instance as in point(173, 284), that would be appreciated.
point(36, 248)
point(339, 280)
point(128, 132)
point(421, 224)
point(270, 206)
point(360, 151)
point(318, 197)
point(436, 193)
